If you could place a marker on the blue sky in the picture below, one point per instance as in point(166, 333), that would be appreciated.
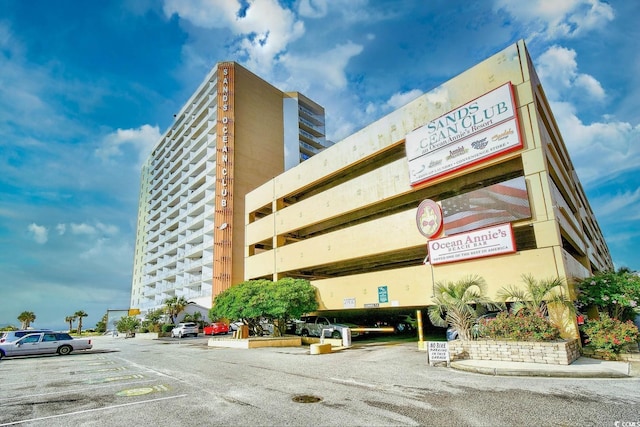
point(87, 88)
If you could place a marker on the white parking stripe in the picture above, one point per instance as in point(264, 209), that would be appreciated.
point(92, 410)
point(82, 390)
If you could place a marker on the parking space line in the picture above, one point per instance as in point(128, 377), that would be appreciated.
point(86, 411)
point(82, 390)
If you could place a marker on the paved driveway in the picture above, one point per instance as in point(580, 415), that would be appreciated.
point(185, 383)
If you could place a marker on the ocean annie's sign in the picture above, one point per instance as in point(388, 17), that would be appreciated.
point(477, 131)
point(476, 244)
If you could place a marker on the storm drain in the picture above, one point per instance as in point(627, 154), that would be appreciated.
point(305, 398)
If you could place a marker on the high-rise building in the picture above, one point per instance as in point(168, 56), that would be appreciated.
point(234, 133)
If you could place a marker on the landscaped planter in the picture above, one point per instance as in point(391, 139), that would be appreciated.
point(552, 352)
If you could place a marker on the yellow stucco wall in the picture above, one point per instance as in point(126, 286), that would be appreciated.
point(411, 286)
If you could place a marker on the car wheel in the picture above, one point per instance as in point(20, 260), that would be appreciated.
point(1, 354)
point(64, 350)
point(180, 335)
point(304, 333)
point(336, 335)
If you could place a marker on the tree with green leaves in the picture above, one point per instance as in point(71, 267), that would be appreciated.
point(536, 296)
point(101, 326)
point(173, 306)
point(256, 300)
point(70, 320)
point(152, 319)
point(127, 324)
point(459, 304)
point(196, 318)
point(26, 318)
point(616, 293)
point(79, 315)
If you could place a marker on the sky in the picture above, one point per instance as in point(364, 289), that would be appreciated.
point(88, 88)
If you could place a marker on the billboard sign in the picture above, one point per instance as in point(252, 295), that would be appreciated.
point(499, 203)
point(477, 131)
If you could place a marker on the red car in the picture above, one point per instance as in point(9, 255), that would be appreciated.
point(216, 328)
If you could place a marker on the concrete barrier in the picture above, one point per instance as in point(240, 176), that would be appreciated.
point(320, 348)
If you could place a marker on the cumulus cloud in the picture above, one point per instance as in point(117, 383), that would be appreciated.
point(599, 149)
point(142, 140)
point(87, 229)
point(328, 67)
point(264, 28)
point(552, 19)
point(397, 100)
point(313, 8)
point(558, 69)
point(39, 233)
point(61, 229)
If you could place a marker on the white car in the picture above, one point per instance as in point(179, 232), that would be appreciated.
point(185, 329)
point(44, 343)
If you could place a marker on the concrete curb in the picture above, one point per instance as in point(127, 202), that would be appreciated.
point(542, 372)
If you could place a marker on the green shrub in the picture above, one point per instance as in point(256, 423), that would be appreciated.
point(168, 327)
point(519, 327)
point(609, 335)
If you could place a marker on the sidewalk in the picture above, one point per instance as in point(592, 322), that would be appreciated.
point(584, 367)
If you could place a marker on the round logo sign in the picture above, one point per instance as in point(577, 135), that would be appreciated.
point(429, 218)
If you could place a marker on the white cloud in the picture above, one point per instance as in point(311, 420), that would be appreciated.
point(142, 140)
point(599, 150)
point(614, 205)
point(312, 8)
point(398, 100)
point(40, 233)
point(61, 229)
point(326, 67)
point(552, 19)
point(82, 228)
point(558, 69)
point(265, 28)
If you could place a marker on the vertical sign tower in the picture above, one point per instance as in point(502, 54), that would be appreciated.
point(223, 218)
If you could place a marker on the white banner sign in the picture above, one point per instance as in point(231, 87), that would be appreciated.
point(438, 351)
point(477, 131)
point(475, 244)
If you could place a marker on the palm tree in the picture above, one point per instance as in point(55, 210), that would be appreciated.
point(174, 306)
point(80, 314)
point(26, 318)
point(459, 304)
point(536, 296)
point(70, 320)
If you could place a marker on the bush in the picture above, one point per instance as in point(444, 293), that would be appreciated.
point(168, 327)
point(608, 335)
point(519, 327)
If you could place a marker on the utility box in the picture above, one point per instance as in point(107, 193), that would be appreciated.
point(345, 333)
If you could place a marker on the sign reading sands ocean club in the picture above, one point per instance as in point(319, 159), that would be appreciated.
point(479, 130)
point(223, 216)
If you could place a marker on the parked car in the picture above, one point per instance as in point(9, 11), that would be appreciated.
point(185, 329)
point(44, 343)
point(216, 328)
point(452, 333)
point(9, 336)
point(314, 325)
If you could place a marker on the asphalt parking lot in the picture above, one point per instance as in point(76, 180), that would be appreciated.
point(186, 383)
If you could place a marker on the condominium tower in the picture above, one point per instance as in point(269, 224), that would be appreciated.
point(234, 133)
